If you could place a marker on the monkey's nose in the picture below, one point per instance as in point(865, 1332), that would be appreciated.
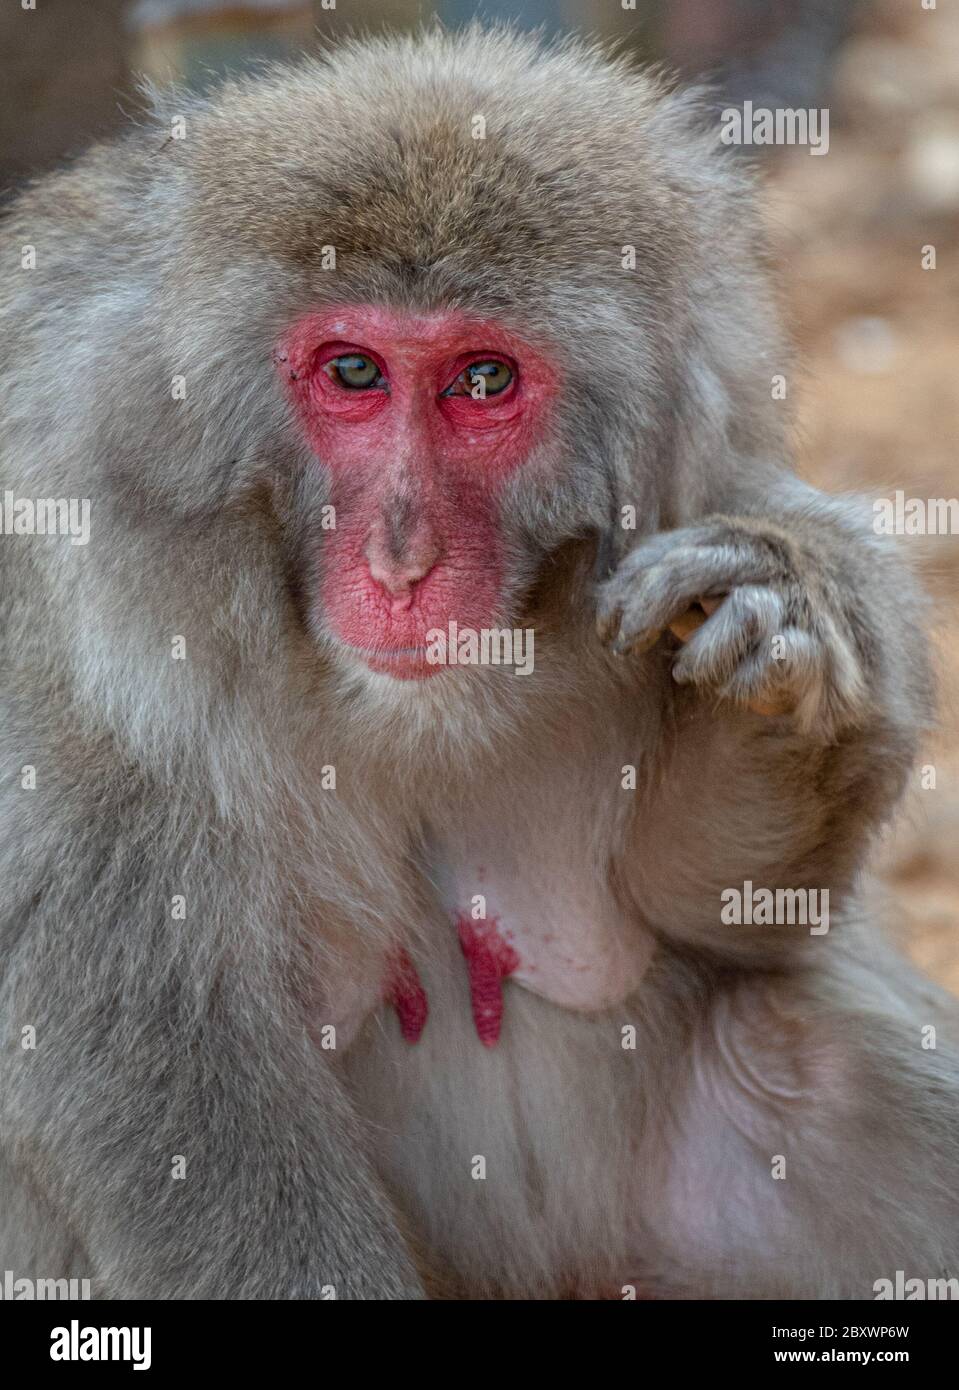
point(398, 574)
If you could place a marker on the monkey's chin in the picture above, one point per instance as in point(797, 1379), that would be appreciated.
point(404, 664)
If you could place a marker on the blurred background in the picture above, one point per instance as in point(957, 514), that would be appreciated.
point(875, 388)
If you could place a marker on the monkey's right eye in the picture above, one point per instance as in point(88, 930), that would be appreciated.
point(355, 372)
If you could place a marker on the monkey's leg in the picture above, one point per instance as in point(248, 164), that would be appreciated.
point(807, 1140)
point(173, 1111)
point(34, 1240)
point(764, 1134)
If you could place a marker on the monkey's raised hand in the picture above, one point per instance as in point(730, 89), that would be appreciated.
point(762, 616)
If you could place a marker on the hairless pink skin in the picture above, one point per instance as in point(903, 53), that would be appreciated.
point(489, 959)
point(404, 990)
point(415, 475)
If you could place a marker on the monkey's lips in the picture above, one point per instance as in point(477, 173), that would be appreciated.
point(404, 663)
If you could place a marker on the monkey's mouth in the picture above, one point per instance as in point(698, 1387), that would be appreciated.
point(403, 663)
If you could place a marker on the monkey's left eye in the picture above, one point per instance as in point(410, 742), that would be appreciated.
point(481, 379)
point(355, 371)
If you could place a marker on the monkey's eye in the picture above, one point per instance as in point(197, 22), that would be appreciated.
point(481, 379)
point(354, 371)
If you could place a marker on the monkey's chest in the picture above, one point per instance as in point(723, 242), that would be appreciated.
point(534, 907)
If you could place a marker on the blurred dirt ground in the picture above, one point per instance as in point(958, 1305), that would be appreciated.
point(877, 368)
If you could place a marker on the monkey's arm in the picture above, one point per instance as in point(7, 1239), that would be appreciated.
point(812, 616)
point(172, 1113)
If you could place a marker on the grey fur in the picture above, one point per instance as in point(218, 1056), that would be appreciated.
point(202, 777)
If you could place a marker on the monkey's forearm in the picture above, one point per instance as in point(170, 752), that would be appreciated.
point(810, 617)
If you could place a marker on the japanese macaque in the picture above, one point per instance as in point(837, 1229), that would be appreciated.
point(330, 967)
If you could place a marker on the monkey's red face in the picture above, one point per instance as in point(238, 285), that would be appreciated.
point(420, 420)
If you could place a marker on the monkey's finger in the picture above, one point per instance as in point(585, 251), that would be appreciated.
point(773, 686)
point(608, 624)
point(770, 701)
point(653, 598)
point(661, 546)
point(692, 562)
point(741, 624)
point(692, 620)
point(615, 596)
